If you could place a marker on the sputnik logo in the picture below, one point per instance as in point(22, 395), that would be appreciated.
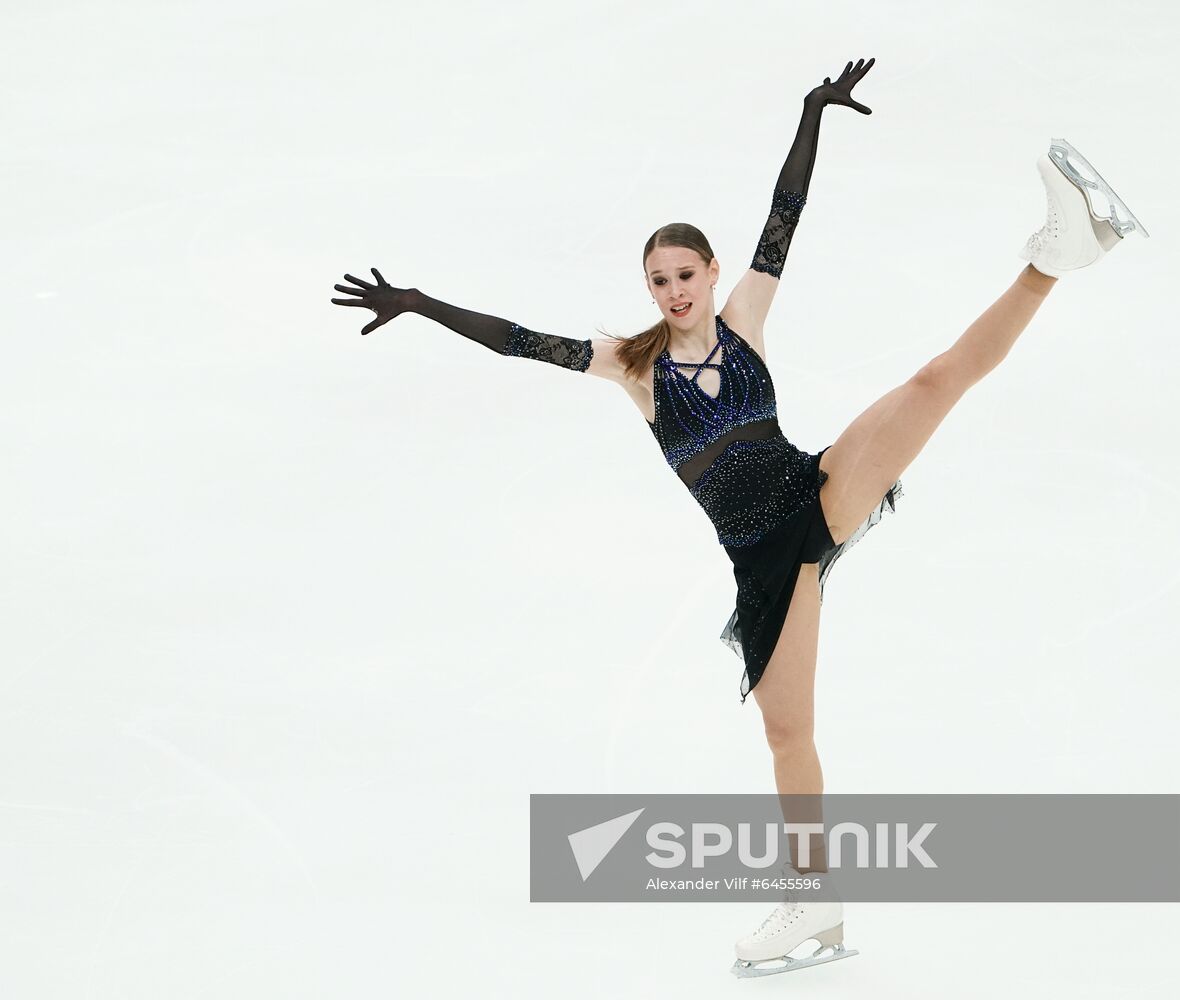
point(594, 843)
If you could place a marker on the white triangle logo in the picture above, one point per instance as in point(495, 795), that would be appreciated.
point(594, 843)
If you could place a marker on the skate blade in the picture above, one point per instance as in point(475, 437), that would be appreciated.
point(1070, 162)
point(752, 970)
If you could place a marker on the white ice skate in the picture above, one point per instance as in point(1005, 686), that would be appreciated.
point(792, 923)
point(1079, 230)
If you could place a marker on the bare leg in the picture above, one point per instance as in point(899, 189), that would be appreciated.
point(785, 693)
point(862, 464)
point(878, 445)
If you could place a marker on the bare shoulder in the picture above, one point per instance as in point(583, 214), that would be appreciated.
point(751, 299)
point(745, 325)
point(606, 363)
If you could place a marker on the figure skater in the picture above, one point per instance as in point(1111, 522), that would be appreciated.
point(782, 514)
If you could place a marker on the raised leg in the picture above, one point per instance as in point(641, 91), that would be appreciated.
point(877, 446)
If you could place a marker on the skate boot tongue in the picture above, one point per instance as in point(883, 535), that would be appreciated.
point(792, 893)
point(779, 913)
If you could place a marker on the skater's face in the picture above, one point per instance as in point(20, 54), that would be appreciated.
point(676, 275)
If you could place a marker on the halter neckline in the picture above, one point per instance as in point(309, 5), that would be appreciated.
point(698, 365)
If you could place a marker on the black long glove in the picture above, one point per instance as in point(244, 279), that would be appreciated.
point(498, 335)
point(790, 190)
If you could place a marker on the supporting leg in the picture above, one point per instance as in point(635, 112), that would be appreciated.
point(785, 693)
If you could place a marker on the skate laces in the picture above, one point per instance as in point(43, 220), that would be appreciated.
point(1038, 243)
point(786, 910)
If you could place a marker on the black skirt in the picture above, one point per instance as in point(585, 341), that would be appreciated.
point(767, 570)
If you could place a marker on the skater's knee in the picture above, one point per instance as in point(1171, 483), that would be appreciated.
point(936, 374)
point(792, 737)
point(943, 376)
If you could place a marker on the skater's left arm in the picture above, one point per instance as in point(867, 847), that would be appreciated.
point(749, 303)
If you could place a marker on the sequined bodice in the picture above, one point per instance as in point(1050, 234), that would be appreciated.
point(728, 449)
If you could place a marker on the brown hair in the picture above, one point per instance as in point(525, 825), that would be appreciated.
point(639, 352)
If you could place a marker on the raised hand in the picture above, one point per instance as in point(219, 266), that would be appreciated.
point(385, 300)
point(840, 92)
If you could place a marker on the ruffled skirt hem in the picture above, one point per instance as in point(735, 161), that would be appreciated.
point(766, 573)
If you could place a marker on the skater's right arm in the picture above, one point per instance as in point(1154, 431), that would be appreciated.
point(595, 357)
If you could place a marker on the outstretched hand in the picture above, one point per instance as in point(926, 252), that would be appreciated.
point(840, 92)
point(385, 300)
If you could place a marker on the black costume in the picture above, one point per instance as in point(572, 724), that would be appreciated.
point(758, 489)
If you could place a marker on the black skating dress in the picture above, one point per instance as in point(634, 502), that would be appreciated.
point(758, 489)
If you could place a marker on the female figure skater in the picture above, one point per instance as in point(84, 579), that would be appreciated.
point(782, 514)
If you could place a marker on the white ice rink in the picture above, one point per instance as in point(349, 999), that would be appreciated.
point(294, 621)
